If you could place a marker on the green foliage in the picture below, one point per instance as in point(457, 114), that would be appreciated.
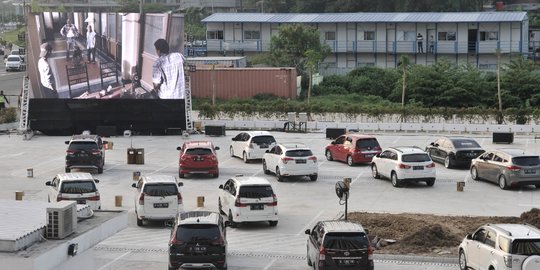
point(13, 36)
point(8, 115)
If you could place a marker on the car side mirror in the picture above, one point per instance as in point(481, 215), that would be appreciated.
point(333, 142)
point(220, 186)
point(169, 223)
point(308, 232)
point(134, 185)
point(96, 180)
point(469, 236)
point(179, 148)
point(216, 148)
point(234, 139)
point(367, 231)
point(67, 142)
point(180, 184)
point(227, 223)
point(48, 183)
point(432, 144)
point(267, 151)
point(378, 155)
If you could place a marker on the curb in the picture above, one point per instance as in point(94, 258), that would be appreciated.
point(416, 259)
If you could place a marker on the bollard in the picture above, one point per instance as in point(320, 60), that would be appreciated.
point(19, 195)
point(460, 186)
point(200, 201)
point(136, 176)
point(29, 172)
point(110, 145)
point(118, 201)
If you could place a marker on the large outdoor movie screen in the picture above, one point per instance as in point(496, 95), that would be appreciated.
point(90, 55)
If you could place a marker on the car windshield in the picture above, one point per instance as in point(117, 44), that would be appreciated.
point(346, 241)
point(526, 161)
point(255, 192)
point(198, 151)
point(160, 189)
point(421, 157)
point(13, 59)
point(526, 247)
point(196, 232)
point(263, 140)
point(367, 143)
point(299, 153)
point(77, 187)
point(464, 143)
point(83, 146)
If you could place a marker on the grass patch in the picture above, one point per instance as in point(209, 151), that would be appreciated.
point(12, 36)
point(8, 115)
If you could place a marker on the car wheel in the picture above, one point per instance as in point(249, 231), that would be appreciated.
point(502, 182)
point(462, 260)
point(273, 223)
point(350, 161)
point(231, 151)
point(395, 180)
point(246, 160)
point(448, 162)
point(374, 171)
point(430, 183)
point(309, 263)
point(313, 177)
point(220, 207)
point(329, 155)
point(280, 178)
point(231, 222)
point(100, 170)
point(181, 175)
point(215, 175)
point(173, 268)
point(474, 173)
point(139, 221)
point(68, 169)
point(265, 169)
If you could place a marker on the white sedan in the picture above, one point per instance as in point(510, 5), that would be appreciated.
point(290, 159)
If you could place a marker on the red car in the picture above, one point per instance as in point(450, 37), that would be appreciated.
point(353, 149)
point(198, 157)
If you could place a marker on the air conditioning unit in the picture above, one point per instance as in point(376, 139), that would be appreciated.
point(61, 219)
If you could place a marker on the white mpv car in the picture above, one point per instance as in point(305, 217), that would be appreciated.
point(251, 145)
point(291, 159)
point(79, 187)
point(248, 199)
point(158, 198)
point(404, 164)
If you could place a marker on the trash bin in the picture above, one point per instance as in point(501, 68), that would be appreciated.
point(131, 155)
point(139, 155)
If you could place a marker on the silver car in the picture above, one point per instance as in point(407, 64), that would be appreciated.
point(507, 167)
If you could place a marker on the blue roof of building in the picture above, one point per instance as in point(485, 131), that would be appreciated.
point(414, 17)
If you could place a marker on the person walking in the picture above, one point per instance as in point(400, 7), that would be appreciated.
point(168, 72)
point(91, 45)
point(46, 76)
point(420, 41)
point(3, 100)
point(70, 32)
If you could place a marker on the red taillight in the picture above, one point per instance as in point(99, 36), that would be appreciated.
point(286, 159)
point(179, 195)
point(314, 158)
point(141, 199)
point(219, 242)
point(213, 158)
point(322, 254)
point(430, 165)
point(274, 201)
point(403, 166)
point(370, 252)
point(70, 152)
point(59, 197)
point(173, 240)
point(237, 203)
point(514, 168)
point(96, 152)
point(94, 198)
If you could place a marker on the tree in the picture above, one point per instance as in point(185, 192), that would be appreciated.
point(404, 65)
point(313, 58)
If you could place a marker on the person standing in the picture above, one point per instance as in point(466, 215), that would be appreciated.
point(70, 32)
point(431, 43)
point(3, 100)
point(46, 76)
point(168, 72)
point(420, 41)
point(91, 44)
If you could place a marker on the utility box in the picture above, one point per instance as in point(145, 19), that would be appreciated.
point(131, 156)
point(61, 219)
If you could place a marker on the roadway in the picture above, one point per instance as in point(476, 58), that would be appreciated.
point(301, 202)
point(11, 83)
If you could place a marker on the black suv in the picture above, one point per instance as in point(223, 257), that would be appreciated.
point(339, 244)
point(198, 240)
point(85, 152)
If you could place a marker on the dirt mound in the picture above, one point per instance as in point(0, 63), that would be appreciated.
point(532, 217)
point(433, 235)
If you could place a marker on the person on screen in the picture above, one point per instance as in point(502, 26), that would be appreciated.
point(46, 76)
point(3, 100)
point(168, 72)
point(91, 45)
point(70, 32)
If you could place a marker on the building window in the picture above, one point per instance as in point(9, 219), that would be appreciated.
point(406, 36)
point(329, 35)
point(252, 35)
point(489, 36)
point(369, 35)
point(450, 36)
point(217, 34)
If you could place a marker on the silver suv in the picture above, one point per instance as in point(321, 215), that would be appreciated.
point(501, 247)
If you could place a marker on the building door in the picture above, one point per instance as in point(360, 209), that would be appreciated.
point(472, 40)
point(391, 47)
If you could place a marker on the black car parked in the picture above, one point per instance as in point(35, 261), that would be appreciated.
point(454, 151)
point(85, 152)
point(198, 240)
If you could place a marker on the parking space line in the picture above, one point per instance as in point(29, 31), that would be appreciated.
point(310, 222)
point(270, 264)
point(115, 260)
point(357, 177)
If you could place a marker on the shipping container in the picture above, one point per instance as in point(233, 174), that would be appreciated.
point(227, 83)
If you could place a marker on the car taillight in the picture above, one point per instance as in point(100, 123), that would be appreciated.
point(219, 242)
point(179, 195)
point(274, 201)
point(508, 261)
point(430, 165)
point(94, 198)
point(314, 158)
point(213, 158)
point(70, 152)
point(403, 166)
point(237, 203)
point(322, 254)
point(183, 158)
point(141, 199)
point(59, 197)
point(370, 252)
point(286, 159)
point(96, 152)
point(514, 168)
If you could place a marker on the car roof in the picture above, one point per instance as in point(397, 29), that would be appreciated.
point(13, 55)
point(291, 146)
point(77, 176)
point(513, 151)
point(159, 179)
point(360, 136)
point(341, 226)
point(259, 133)
point(82, 137)
point(517, 230)
point(251, 181)
point(455, 138)
point(198, 217)
point(408, 149)
point(194, 144)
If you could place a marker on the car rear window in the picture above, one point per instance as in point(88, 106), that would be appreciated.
point(77, 187)
point(367, 143)
point(196, 232)
point(526, 247)
point(299, 153)
point(526, 161)
point(160, 189)
point(346, 241)
point(415, 158)
point(263, 140)
point(256, 192)
point(465, 144)
point(198, 151)
point(83, 146)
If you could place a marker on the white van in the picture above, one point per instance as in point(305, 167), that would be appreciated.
point(79, 187)
point(158, 198)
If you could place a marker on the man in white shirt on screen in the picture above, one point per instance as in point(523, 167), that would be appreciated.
point(168, 72)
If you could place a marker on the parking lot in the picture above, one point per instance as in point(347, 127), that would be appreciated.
point(301, 202)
